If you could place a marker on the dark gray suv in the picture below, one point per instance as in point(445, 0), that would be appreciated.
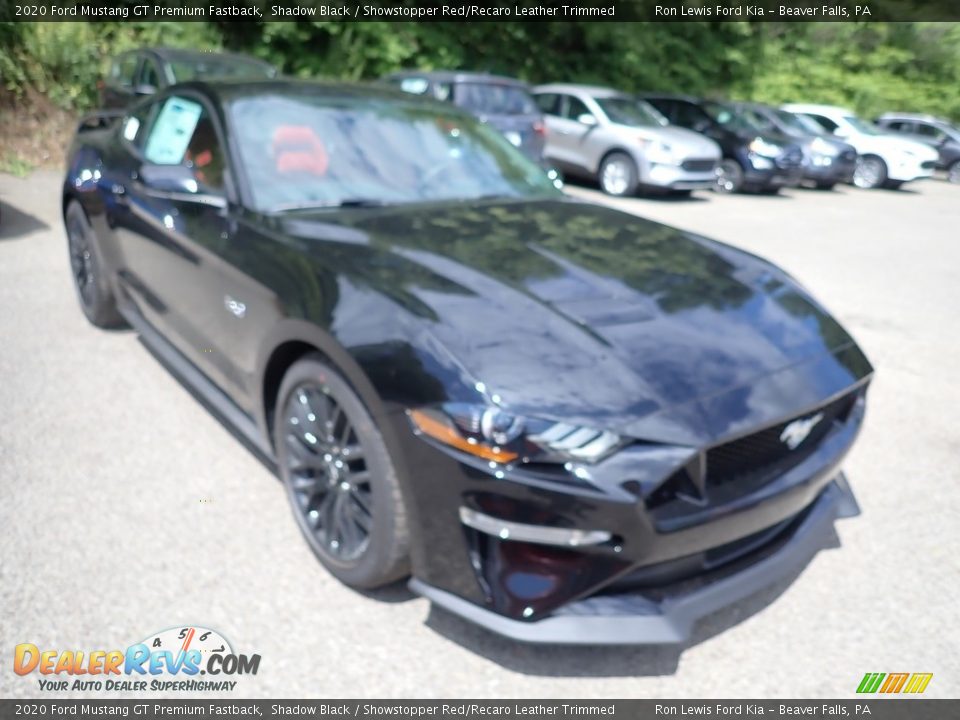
point(503, 102)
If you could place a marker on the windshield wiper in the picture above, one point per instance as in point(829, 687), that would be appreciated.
point(354, 202)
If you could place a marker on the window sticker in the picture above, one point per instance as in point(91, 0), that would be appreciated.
point(172, 131)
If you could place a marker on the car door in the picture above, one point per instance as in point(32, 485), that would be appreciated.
point(569, 130)
point(172, 242)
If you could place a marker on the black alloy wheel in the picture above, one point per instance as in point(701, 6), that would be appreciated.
point(94, 294)
point(341, 483)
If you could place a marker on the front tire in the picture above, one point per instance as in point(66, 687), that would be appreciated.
point(871, 172)
point(729, 177)
point(340, 480)
point(618, 175)
point(86, 266)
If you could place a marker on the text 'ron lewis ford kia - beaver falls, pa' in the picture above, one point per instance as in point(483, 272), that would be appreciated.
point(568, 424)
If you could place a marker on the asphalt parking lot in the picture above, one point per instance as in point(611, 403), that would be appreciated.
point(126, 508)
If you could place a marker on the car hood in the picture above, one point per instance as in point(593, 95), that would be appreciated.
point(577, 312)
point(686, 143)
point(885, 143)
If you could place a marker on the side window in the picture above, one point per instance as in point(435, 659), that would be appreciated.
point(549, 103)
point(665, 107)
point(690, 116)
point(575, 107)
point(929, 131)
point(123, 70)
point(149, 74)
point(898, 126)
point(184, 134)
point(824, 122)
point(137, 124)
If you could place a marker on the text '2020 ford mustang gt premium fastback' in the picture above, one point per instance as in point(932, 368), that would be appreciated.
point(567, 423)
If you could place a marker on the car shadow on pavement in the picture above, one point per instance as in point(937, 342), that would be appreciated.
point(15, 223)
point(665, 197)
point(606, 661)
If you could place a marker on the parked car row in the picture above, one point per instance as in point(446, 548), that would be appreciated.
point(630, 142)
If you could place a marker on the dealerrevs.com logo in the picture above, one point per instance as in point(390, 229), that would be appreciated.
point(178, 659)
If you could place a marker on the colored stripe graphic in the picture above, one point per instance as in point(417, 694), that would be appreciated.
point(918, 682)
point(894, 682)
point(870, 682)
point(914, 683)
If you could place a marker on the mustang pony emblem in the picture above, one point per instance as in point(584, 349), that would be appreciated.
point(797, 431)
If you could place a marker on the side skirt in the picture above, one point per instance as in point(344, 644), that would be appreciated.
point(240, 424)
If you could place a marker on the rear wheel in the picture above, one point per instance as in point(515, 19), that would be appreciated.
point(871, 172)
point(618, 175)
point(729, 176)
point(339, 478)
point(86, 267)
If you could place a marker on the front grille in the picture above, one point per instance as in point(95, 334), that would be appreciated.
point(791, 158)
point(747, 462)
point(764, 452)
point(699, 165)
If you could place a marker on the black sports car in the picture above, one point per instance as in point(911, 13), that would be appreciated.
point(568, 423)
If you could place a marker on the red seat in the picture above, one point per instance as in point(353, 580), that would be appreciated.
point(296, 148)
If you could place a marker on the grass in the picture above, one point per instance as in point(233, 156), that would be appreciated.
point(15, 165)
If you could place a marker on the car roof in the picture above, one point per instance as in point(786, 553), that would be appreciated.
point(592, 90)
point(456, 76)
point(227, 90)
point(171, 54)
point(814, 108)
point(669, 96)
point(913, 116)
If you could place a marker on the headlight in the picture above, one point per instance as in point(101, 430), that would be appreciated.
point(659, 152)
point(493, 434)
point(762, 147)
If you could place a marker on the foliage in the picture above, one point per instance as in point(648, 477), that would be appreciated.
point(871, 67)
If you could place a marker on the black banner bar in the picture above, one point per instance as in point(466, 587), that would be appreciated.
point(480, 10)
point(874, 707)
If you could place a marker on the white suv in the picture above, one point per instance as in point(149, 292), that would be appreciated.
point(885, 160)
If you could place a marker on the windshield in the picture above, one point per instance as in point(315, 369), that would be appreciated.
point(729, 118)
point(220, 67)
point(800, 122)
point(324, 152)
point(860, 126)
point(626, 111)
point(494, 99)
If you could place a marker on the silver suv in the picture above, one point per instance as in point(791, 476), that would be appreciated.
point(622, 142)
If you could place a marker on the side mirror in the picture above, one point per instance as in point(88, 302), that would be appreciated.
point(587, 119)
point(176, 182)
point(702, 127)
point(143, 90)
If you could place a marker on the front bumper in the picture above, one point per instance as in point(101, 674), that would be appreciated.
point(692, 174)
point(909, 168)
point(635, 531)
point(826, 169)
point(668, 617)
point(763, 173)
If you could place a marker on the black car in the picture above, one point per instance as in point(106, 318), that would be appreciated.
point(938, 134)
point(753, 159)
point(826, 159)
point(505, 103)
point(142, 72)
point(570, 424)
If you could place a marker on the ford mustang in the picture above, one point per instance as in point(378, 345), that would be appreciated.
point(565, 423)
